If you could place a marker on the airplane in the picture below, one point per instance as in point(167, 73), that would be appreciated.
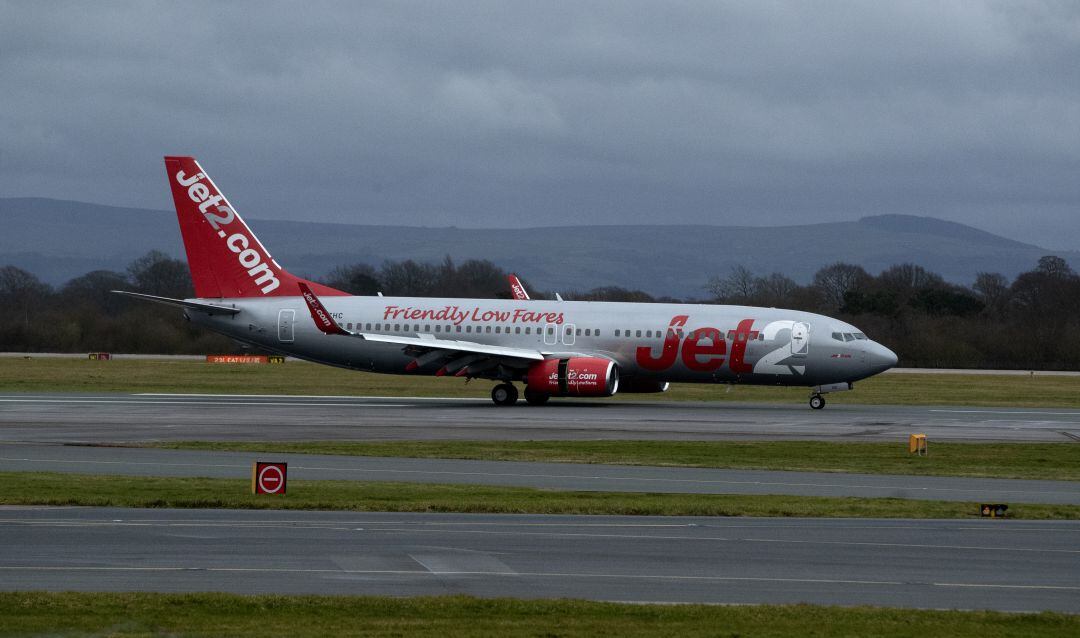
point(554, 348)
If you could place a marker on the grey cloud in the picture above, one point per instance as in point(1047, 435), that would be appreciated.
point(517, 114)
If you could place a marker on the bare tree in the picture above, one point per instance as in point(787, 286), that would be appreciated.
point(993, 291)
point(837, 280)
point(737, 287)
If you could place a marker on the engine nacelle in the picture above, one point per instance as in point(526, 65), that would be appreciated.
point(576, 377)
point(638, 385)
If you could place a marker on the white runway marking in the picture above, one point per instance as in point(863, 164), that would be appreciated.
point(577, 575)
point(308, 396)
point(213, 403)
point(1006, 412)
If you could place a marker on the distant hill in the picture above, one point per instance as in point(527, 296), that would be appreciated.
point(58, 240)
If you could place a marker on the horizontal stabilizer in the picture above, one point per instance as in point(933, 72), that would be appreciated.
point(209, 308)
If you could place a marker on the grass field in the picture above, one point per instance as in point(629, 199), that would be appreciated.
point(34, 488)
point(1051, 461)
point(139, 614)
point(165, 375)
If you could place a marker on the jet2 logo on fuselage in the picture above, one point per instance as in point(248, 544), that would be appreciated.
point(702, 350)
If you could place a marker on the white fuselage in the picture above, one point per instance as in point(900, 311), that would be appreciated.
point(668, 342)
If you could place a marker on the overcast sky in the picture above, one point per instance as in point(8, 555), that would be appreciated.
point(525, 114)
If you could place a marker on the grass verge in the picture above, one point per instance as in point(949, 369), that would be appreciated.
point(139, 614)
point(1051, 461)
point(41, 488)
point(169, 375)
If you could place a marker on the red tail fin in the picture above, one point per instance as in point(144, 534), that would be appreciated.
point(226, 259)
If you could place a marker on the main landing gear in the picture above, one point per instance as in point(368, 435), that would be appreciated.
point(505, 394)
point(817, 402)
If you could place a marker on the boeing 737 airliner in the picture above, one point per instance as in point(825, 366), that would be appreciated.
point(555, 348)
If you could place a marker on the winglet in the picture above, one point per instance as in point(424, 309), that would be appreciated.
point(517, 288)
point(319, 314)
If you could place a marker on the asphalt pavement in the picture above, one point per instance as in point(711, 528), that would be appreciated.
point(106, 418)
point(991, 564)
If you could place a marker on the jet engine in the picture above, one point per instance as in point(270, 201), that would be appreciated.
point(574, 377)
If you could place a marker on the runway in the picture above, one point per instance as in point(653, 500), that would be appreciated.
point(1005, 565)
point(556, 476)
point(107, 418)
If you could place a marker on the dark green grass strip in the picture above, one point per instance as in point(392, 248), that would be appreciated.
point(32, 488)
point(81, 375)
point(1052, 461)
point(140, 614)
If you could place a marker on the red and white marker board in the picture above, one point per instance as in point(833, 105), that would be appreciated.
point(268, 478)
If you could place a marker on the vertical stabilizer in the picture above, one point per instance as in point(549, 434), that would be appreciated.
point(226, 259)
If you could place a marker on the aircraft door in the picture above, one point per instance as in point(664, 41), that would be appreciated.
point(800, 339)
point(285, 321)
point(551, 334)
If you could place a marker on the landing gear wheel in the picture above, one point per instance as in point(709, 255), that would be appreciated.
point(504, 394)
point(533, 397)
point(817, 402)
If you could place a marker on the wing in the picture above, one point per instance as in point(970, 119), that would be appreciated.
point(459, 357)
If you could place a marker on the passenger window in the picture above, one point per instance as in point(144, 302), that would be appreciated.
point(616, 333)
point(367, 327)
point(457, 329)
point(578, 332)
point(438, 328)
point(348, 326)
point(397, 327)
point(528, 330)
point(498, 329)
point(517, 330)
point(427, 327)
point(378, 326)
point(416, 328)
point(639, 333)
point(731, 335)
point(468, 328)
point(569, 332)
point(551, 331)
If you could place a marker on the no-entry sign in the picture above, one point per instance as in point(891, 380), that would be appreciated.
point(268, 478)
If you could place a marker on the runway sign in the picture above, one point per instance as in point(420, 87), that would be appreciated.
point(100, 356)
point(268, 478)
point(993, 510)
point(237, 358)
point(276, 358)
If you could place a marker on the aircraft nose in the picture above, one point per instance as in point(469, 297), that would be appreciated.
point(880, 357)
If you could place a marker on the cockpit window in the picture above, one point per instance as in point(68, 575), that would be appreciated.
point(861, 336)
point(849, 337)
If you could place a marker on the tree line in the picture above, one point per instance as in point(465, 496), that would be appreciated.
point(1029, 322)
